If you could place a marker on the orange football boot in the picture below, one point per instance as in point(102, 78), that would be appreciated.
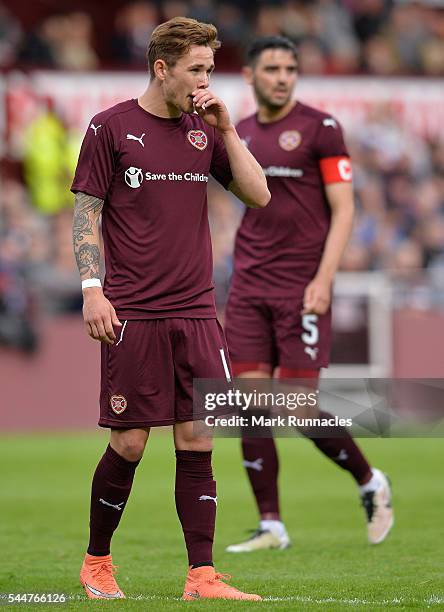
point(97, 578)
point(205, 583)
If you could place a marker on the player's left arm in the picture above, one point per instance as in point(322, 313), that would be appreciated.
point(336, 174)
point(317, 296)
point(249, 183)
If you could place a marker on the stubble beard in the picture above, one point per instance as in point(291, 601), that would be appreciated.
point(264, 100)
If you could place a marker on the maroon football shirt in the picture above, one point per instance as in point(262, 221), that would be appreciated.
point(278, 249)
point(152, 173)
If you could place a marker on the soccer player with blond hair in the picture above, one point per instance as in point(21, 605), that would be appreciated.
point(144, 167)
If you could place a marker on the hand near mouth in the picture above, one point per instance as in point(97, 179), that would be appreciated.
point(212, 110)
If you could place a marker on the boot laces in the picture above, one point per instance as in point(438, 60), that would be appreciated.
point(368, 502)
point(104, 573)
point(219, 577)
point(255, 533)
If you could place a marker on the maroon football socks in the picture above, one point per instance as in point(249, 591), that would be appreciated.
point(111, 487)
point(196, 504)
point(338, 445)
point(261, 461)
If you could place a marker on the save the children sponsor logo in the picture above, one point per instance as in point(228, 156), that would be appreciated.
point(134, 177)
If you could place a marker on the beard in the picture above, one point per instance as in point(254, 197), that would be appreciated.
point(267, 101)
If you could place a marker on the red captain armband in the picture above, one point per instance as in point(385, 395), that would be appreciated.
point(336, 169)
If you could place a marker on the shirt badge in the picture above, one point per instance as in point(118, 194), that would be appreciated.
point(198, 139)
point(290, 140)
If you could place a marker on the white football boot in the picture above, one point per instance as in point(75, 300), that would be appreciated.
point(378, 507)
point(270, 535)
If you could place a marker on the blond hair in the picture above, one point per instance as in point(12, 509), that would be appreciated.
point(173, 39)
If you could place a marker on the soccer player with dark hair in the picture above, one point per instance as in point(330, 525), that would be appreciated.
point(143, 168)
point(278, 317)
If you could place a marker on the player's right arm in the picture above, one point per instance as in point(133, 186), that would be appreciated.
point(98, 313)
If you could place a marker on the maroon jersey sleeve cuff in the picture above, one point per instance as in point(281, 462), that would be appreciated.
point(220, 165)
point(76, 187)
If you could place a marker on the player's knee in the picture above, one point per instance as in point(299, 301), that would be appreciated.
point(130, 446)
point(201, 445)
point(134, 451)
point(185, 440)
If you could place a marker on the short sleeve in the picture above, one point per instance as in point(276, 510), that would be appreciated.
point(220, 165)
point(330, 139)
point(95, 167)
point(334, 160)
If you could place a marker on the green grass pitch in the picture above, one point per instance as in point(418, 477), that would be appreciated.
point(44, 515)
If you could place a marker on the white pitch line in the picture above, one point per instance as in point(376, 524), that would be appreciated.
point(429, 601)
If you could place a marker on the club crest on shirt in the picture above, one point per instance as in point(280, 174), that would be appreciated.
point(118, 403)
point(290, 140)
point(198, 139)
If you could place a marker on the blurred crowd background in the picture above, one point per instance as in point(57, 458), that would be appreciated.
point(381, 37)
point(398, 175)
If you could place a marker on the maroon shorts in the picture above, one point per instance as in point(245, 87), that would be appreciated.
point(266, 333)
point(147, 375)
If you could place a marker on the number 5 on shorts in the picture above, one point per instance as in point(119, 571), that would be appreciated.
point(311, 333)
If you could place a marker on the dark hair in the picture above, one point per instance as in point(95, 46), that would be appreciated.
point(269, 42)
point(172, 39)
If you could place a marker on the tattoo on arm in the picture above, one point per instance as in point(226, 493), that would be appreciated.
point(87, 211)
point(88, 260)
